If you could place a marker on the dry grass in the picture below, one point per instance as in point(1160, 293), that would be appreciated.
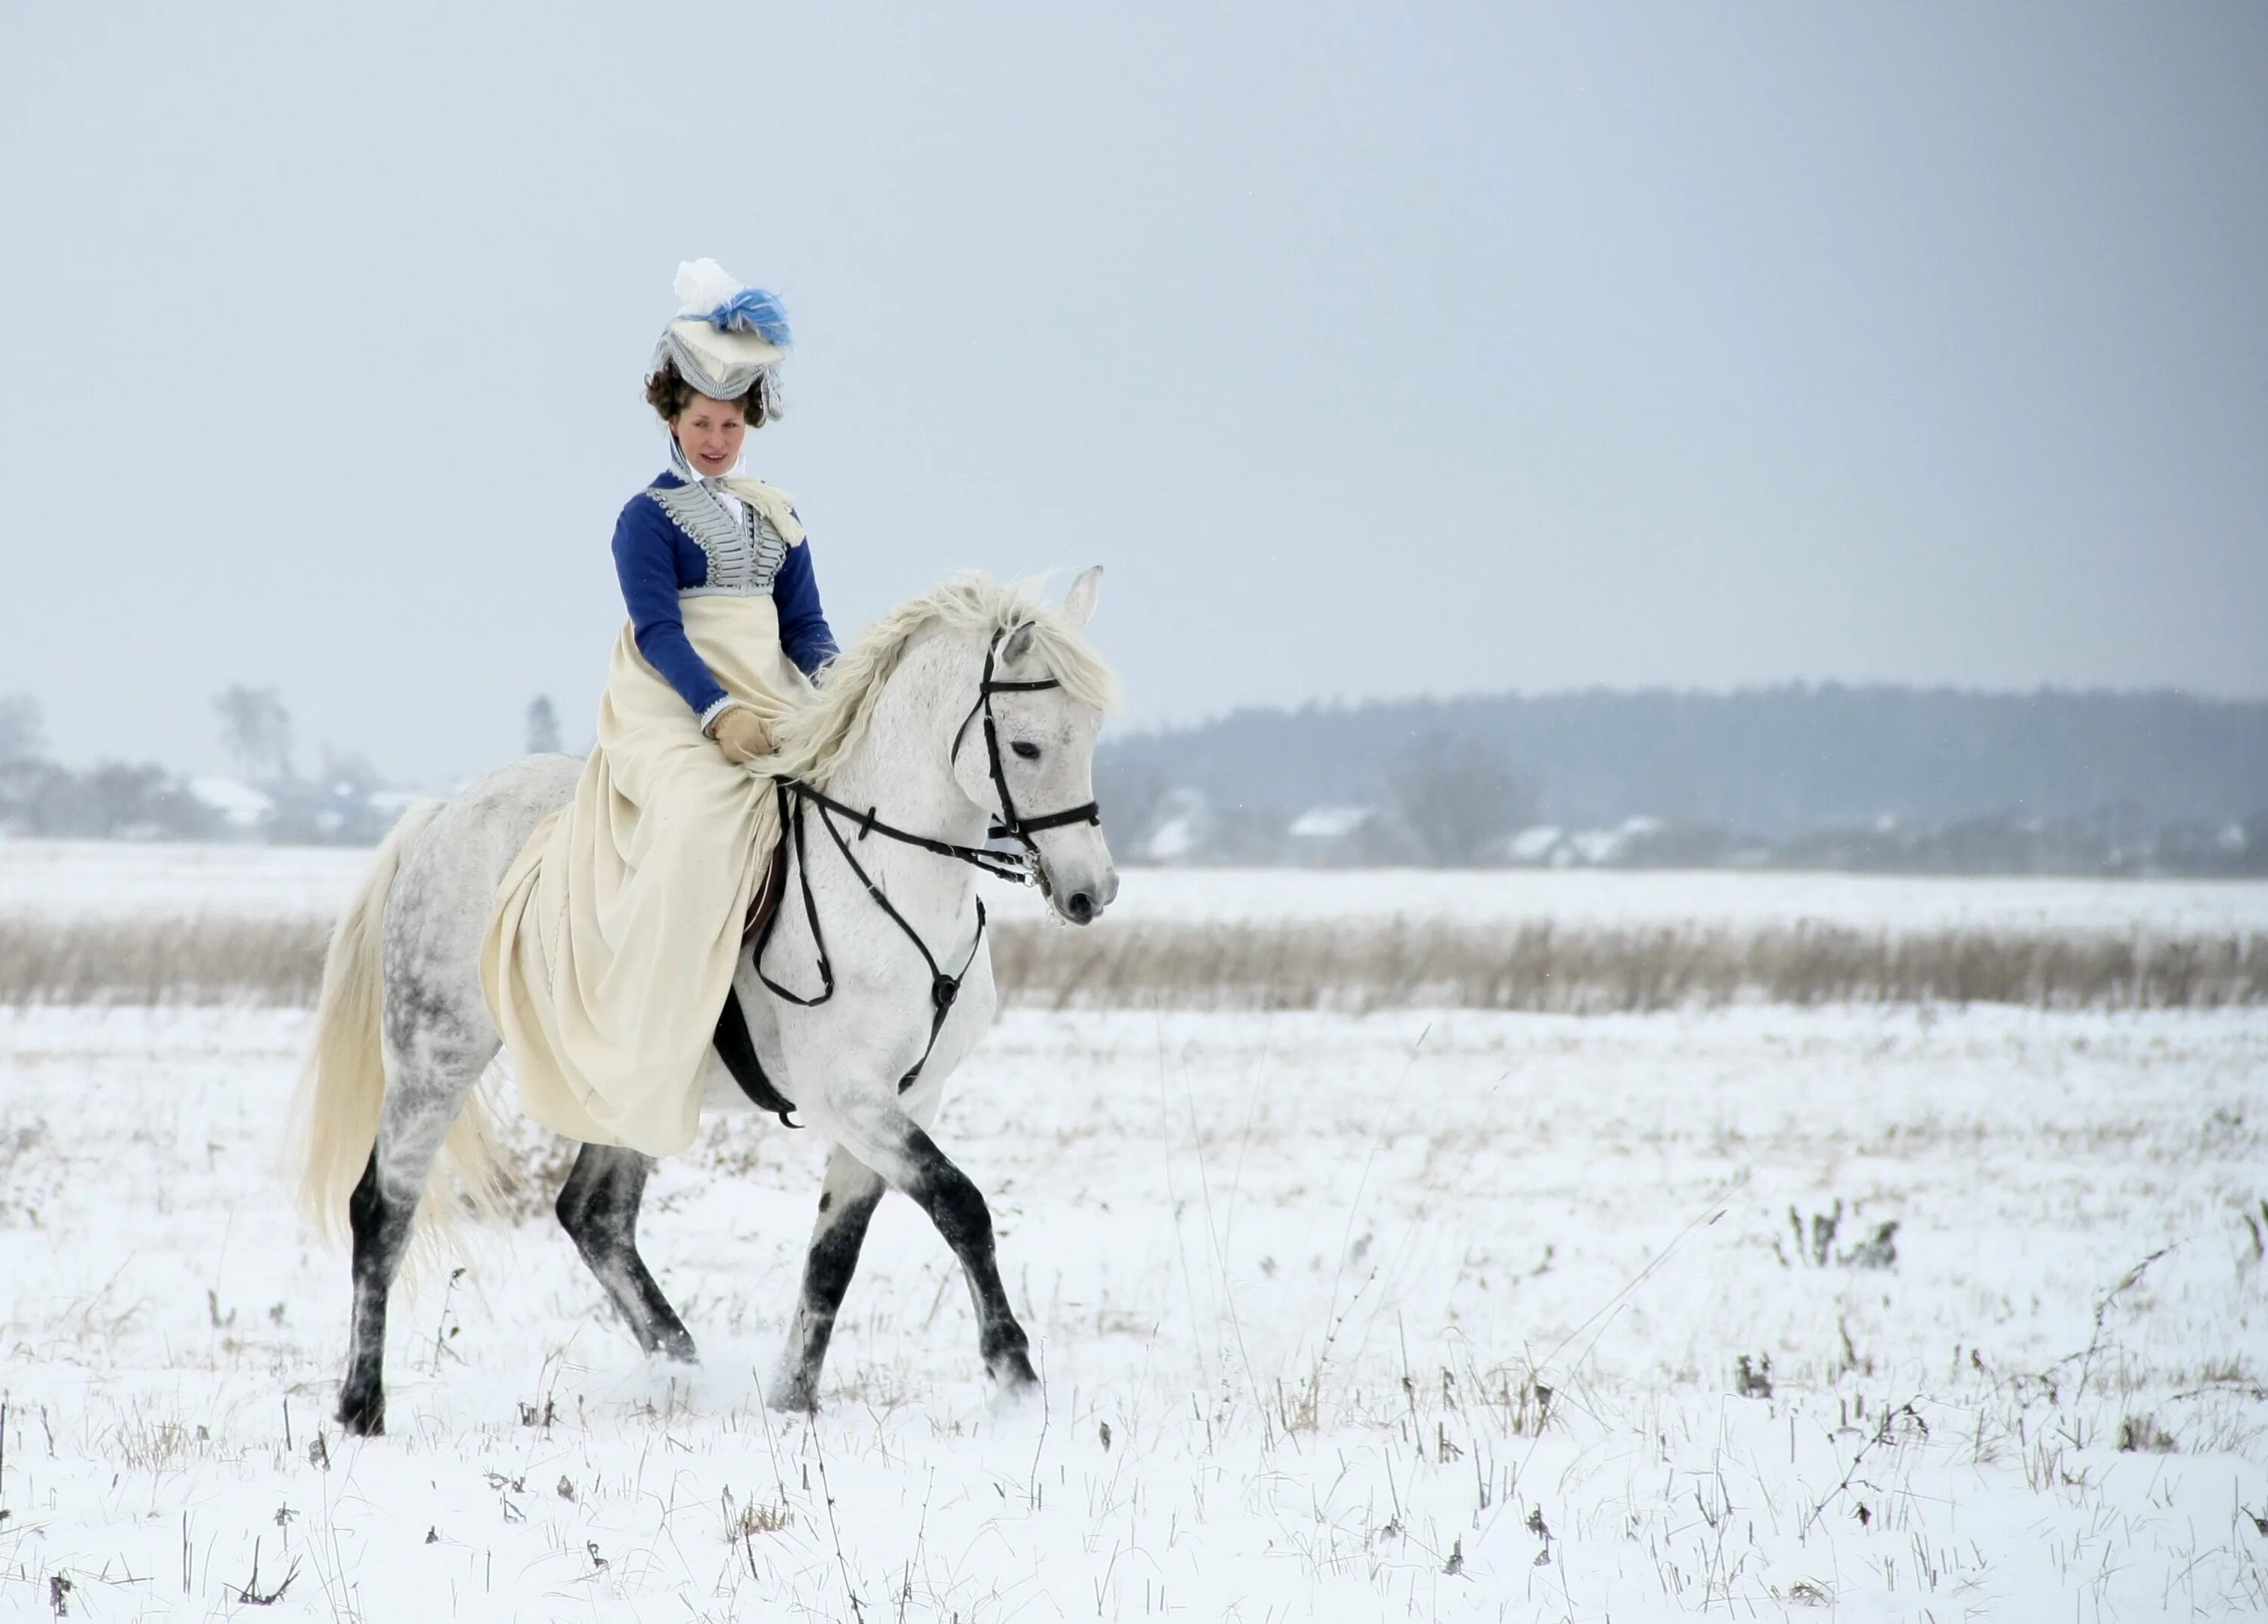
point(1536, 966)
point(215, 960)
point(1601, 970)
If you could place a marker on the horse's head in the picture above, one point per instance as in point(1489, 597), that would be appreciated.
point(1027, 753)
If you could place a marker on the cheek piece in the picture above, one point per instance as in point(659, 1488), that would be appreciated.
point(1010, 825)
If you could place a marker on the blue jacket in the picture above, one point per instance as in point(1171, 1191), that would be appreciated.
point(655, 560)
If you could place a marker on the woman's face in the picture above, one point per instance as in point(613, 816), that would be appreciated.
point(710, 433)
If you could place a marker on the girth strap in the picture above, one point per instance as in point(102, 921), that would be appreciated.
point(738, 1050)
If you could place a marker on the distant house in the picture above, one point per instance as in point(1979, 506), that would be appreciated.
point(1179, 834)
point(1349, 837)
point(241, 808)
point(1601, 846)
point(1329, 823)
point(1544, 845)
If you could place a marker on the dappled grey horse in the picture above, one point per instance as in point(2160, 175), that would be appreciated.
point(966, 718)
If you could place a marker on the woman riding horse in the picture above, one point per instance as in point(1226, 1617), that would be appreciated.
point(611, 948)
point(591, 914)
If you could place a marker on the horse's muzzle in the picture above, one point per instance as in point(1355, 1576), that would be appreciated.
point(1083, 904)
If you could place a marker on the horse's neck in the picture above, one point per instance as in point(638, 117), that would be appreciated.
point(902, 769)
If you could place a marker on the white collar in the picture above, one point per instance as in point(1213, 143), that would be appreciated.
point(681, 465)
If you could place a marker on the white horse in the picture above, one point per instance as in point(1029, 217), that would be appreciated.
point(404, 1032)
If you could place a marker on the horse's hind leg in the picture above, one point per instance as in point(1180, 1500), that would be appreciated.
point(411, 1130)
point(597, 1207)
point(381, 1233)
point(847, 1200)
point(436, 1049)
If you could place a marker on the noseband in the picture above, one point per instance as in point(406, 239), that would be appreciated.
point(794, 797)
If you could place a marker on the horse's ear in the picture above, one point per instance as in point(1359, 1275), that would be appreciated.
point(1078, 602)
point(1018, 644)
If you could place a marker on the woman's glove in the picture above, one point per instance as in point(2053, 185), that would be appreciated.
point(741, 734)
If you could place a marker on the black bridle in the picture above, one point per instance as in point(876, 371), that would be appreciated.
point(795, 798)
point(1009, 824)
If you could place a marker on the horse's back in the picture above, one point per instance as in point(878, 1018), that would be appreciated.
point(442, 897)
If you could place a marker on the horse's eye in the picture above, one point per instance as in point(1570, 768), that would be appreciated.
point(1024, 747)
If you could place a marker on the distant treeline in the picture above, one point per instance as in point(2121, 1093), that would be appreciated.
point(344, 803)
point(1771, 763)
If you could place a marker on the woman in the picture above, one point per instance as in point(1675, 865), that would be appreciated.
point(700, 531)
point(613, 941)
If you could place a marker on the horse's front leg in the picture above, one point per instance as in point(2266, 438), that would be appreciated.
point(893, 1145)
point(847, 1200)
point(597, 1207)
point(956, 1206)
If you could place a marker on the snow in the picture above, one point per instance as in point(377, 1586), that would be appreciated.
point(1727, 897)
point(115, 879)
point(1306, 1271)
point(118, 878)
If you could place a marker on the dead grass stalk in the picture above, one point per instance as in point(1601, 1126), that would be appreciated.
point(1531, 966)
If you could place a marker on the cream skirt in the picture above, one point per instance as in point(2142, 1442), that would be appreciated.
point(611, 945)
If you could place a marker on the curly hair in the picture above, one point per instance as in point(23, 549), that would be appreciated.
point(668, 394)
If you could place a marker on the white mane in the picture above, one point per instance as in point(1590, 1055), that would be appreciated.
point(815, 739)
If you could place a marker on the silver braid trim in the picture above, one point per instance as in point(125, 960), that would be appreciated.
point(744, 557)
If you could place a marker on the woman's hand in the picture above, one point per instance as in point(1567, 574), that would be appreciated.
point(741, 734)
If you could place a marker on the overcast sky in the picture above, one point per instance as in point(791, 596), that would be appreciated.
point(1374, 351)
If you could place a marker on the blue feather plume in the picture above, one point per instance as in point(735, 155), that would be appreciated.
point(752, 310)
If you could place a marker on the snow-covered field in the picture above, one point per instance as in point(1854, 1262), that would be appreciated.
point(117, 879)
point(1299, 1285)
point(113, 879)
point(1715, 897)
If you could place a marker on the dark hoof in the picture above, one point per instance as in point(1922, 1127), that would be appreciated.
point(363, 1416)
point(1012, 1371)
point(677, 1349)
point(794, 1395)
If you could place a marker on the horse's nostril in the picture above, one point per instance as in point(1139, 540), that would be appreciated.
point(1080, 906)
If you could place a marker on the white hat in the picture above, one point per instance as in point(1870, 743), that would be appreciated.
point(728, 338)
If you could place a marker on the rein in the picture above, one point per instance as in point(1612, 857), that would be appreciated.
point(795, 798)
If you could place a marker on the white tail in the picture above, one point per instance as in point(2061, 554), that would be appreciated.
point(343, 1086)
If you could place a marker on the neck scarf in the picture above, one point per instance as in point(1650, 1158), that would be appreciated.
point(733, 487)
